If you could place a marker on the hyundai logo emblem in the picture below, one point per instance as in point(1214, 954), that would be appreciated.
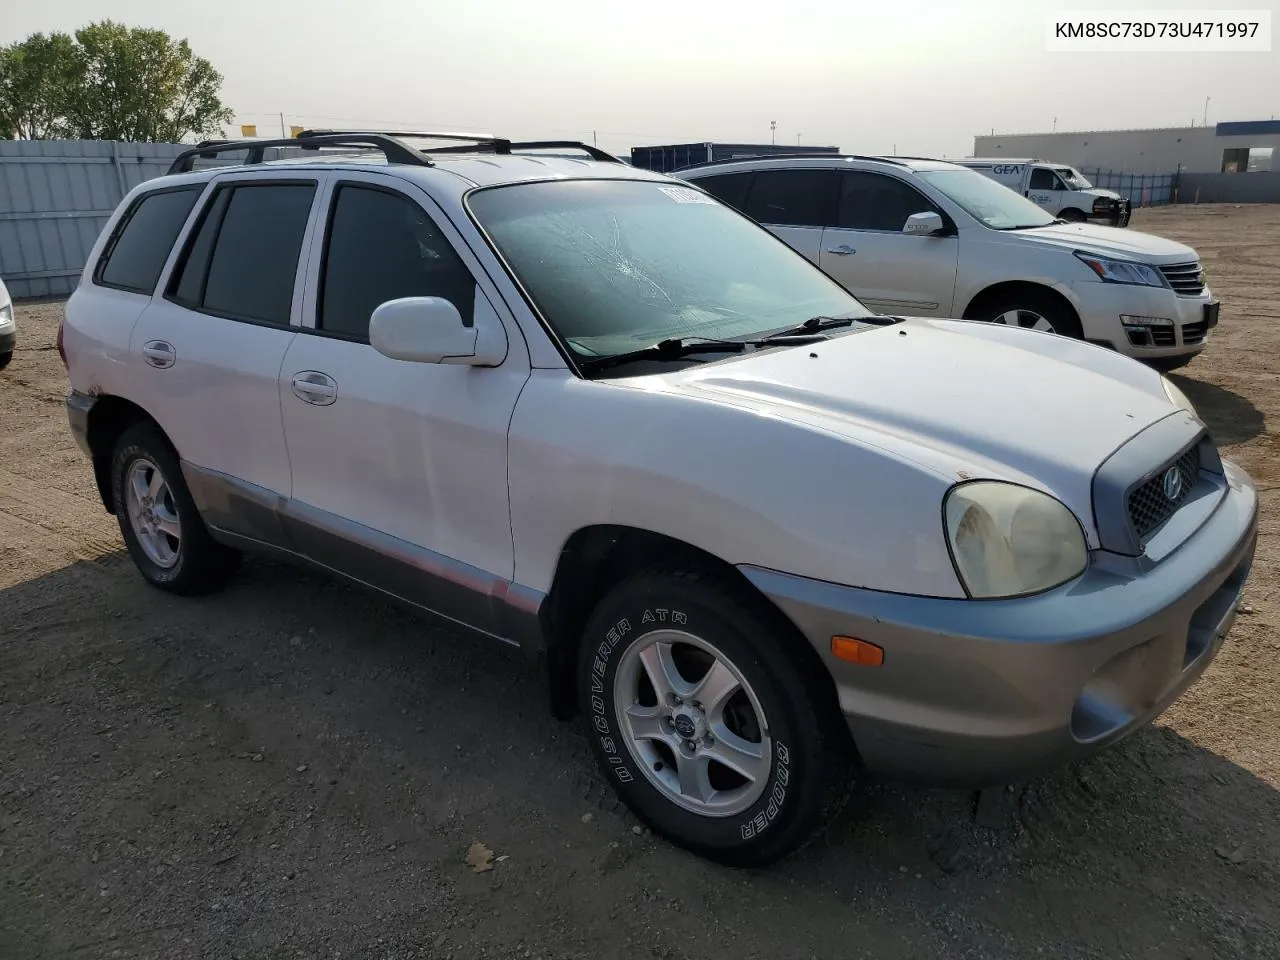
point(1171, 483)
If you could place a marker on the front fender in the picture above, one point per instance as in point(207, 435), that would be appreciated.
point(745, 487)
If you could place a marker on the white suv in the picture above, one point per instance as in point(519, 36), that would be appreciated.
point(926, 238)
point(754, 532)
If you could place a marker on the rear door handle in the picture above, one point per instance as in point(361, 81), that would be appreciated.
point(159, 354)
point(841, 251)
point(312, 386)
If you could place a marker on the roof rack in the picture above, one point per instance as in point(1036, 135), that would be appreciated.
point(790, 156)
point(499, 145)
point(394, 149)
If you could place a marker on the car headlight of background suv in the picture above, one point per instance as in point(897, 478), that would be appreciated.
point(1010, 541)
point(1123, 271)
point(1177, 397)
point(6, 318)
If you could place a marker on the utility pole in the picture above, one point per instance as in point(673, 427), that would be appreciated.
point(1206, 112)
point(282, 133)
point(773, 131)
point(797, 139)
point(1055, 124)
point(593, 139)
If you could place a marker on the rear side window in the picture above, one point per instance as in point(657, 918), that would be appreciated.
point(731, 188)
point(382, 246)
point(873, 201)
point(795, 198)
point(243, 259)
point(140, 245)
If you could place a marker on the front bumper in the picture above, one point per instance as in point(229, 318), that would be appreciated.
point(978, 693)
point(1101, 306)
point(1115, 213)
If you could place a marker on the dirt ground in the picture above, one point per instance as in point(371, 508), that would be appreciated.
point(292, 769)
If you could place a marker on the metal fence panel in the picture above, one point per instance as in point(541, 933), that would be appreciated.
point(55, 198)
point(1140, 189)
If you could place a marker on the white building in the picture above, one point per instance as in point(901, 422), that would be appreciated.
point(1224, 148)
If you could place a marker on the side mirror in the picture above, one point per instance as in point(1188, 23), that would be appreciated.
point(923, 224)
point(430, 330)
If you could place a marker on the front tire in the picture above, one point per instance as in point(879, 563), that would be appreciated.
point(5, 358)
point(713, 728)
point(1073, 216)
point(161, 526)
point(1031, 310)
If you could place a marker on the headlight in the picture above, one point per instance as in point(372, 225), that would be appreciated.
point(1010, 541)
point(1177, 397)
point(1123, 271)
point(6, 317)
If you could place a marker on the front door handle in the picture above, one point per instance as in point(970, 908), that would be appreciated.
point(312, 386)
point(158, 353)
point(841, 251)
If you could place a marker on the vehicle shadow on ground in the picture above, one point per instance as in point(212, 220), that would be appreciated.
point(337, 757)
point(1231, 417)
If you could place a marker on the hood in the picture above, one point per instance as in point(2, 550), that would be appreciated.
point(1101, 192)
point(1109, 241)
point(965, 399)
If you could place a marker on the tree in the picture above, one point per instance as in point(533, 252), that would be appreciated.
point(111, 82)
point(38, 79)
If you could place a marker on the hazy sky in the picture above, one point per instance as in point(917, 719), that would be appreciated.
point(923, 76)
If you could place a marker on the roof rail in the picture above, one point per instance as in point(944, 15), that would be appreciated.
point(394, 149)
point(402, 134)
point(786, 156)
point(498, 145)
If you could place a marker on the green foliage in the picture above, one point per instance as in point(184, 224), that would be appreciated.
point(111, 82)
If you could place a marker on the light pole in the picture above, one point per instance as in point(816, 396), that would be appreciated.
point(773, 131)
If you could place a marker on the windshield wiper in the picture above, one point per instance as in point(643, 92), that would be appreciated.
point(816, 324)
point(676, 348)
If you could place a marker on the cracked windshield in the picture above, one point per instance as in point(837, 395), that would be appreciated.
point(616, 265)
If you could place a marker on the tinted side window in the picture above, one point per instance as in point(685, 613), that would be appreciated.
point(872, 201)
point(731, 188)
point(1042, 179)
point(244, 257)
point(797, 198)
point(137, 251)
point(382, 246)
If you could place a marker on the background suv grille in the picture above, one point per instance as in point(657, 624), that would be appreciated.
point(1185, 278)
point(1148, 505)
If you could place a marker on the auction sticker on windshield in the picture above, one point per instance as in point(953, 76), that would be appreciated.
point(686, 195)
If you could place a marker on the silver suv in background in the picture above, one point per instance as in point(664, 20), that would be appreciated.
point(927, 238)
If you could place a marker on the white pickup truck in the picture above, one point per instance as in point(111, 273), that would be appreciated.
point(1062, 190)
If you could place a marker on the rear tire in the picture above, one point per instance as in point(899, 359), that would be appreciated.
point(161, 526)
point(737, 750)
point(1031, 310)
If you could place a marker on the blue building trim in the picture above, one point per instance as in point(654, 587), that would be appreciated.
point(1248, 128)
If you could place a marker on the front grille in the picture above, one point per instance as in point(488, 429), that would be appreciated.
point(1150, 505)
point(1163, 336)
point(1194, 332)
point(1186, 278)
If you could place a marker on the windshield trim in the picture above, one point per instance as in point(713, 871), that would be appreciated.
point(570, 357)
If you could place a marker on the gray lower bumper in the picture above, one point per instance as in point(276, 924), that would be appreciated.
point(78, 407)
point(987, 692)
point(8, 341)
